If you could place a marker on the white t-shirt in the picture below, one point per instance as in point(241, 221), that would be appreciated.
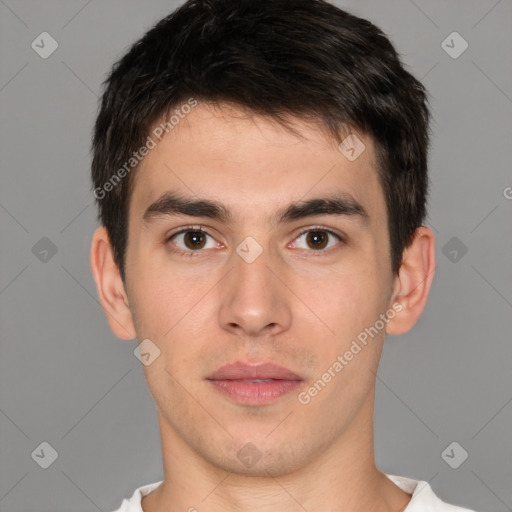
point(423, 497)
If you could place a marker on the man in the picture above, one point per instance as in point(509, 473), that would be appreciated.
point(261, 175)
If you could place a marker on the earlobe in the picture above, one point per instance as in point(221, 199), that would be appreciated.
point(412, 284)
point(110, 286)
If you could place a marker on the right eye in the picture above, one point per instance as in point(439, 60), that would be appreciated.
point(193, 239)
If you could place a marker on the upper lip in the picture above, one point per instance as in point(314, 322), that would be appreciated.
point(244, 371)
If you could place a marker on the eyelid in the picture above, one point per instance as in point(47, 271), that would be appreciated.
point(184, 229)
point(341, 239)
point(331, 231)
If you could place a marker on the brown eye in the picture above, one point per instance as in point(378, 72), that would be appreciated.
point(317, 239)
point(194, 239)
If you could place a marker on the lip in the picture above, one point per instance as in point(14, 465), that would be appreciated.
point(244, 371)
point(254, 384)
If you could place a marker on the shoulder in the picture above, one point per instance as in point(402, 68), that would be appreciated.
point(133, 504)
point(423, 497)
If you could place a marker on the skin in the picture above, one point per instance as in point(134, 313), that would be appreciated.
point(295, 305)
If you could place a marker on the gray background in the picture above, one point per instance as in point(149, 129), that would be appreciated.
point(64, 377)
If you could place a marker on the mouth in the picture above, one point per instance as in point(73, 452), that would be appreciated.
point(254, 384)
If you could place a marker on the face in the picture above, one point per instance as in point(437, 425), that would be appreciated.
point(285, 262)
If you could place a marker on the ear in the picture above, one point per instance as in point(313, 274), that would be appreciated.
point(110, 286)
point(412, 284)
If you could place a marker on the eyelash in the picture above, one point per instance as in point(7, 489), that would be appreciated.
point(199, 229)
point(322, 252)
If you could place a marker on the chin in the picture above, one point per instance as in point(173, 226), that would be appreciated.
point(259, 458)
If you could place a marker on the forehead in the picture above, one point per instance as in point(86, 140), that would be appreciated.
point(254, 165)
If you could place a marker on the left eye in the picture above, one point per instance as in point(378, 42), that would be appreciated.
point(316, 239)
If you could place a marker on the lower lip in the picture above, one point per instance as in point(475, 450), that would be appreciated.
point(255, 393)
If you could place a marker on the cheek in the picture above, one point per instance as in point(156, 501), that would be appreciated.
point(350, 305)
point(161, 298)
point(347, 301)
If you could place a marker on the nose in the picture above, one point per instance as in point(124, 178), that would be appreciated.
point(254, 302)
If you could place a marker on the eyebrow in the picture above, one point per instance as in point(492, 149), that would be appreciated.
point(170, 204)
